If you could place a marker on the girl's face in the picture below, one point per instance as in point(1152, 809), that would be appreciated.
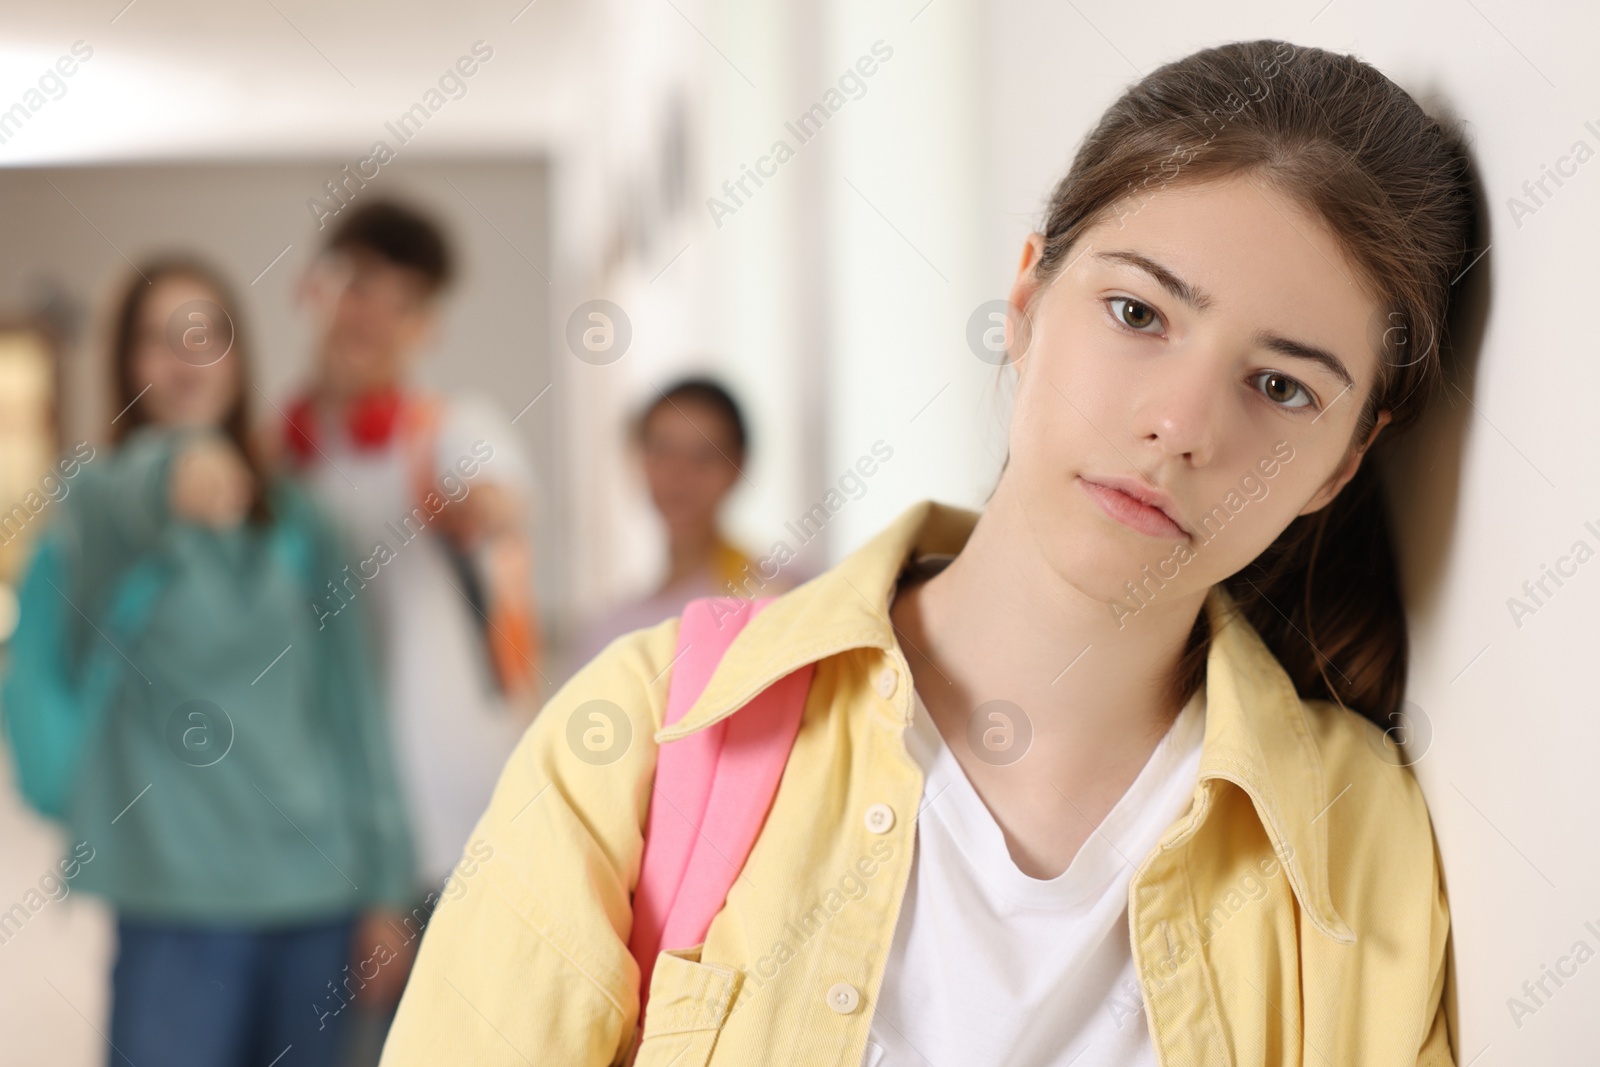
point(180, 351)
point(689, 453)
point(1212, 344)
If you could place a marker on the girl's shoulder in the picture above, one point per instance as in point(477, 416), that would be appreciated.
point(1358, 751)
point(632, 671)
point(1380, 836)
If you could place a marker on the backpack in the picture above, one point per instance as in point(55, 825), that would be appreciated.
point(718, 783)
point(51, 707)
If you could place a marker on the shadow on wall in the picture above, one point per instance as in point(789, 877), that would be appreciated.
point(1421, 469)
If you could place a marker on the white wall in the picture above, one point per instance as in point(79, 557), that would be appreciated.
point(913, 253)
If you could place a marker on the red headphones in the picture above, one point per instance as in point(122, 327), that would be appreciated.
point(370, 420)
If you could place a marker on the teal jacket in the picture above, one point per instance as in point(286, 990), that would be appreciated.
point(243, 773)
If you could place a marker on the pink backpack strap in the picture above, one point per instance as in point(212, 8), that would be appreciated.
point(712, 788)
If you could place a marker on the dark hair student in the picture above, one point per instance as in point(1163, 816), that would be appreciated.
point(401, 236)
point(708, 393)
point(1094, 774)
point(692, 442)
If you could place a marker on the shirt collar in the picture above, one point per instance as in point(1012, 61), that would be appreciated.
point(1257, 733)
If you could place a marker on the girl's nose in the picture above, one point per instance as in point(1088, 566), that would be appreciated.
point(1183, 401)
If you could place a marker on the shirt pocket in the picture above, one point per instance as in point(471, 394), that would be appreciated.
point(689, 1002)
point(873, 1056)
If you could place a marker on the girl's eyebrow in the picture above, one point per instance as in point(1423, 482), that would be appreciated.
point(1287, 346)
point(1192, 295)
point(1200, 300)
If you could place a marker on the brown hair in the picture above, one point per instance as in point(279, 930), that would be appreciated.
point(401, 236)
point(702, 390)
point(125, 390)
point(1393, 185)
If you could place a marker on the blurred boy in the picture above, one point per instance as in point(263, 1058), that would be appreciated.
point(434, 494)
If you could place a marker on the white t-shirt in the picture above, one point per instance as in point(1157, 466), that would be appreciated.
point(450, 729)
point(992, 966)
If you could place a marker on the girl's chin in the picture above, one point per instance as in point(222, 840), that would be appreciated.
point(1104, 562)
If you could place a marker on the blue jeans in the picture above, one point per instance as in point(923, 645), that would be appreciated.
point(186, 995)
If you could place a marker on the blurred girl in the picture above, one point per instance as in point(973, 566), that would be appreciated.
point(240, 794)
point(692, 443)
point(1094, 776)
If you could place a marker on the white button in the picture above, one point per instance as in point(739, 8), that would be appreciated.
point(843, 998)
point(880, 818)
point(886, 682)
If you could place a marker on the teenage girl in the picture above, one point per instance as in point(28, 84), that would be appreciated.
point(1095, 776)
point(240, 793)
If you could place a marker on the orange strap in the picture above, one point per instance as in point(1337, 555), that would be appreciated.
point(512, 633)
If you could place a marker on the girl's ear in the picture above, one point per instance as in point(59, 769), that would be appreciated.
point(1325, 495)
point(1023, 289)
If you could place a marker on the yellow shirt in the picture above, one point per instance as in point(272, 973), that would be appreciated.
point(1294, 916)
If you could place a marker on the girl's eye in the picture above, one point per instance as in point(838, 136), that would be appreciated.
point(1282, 389)
point(1132, 315)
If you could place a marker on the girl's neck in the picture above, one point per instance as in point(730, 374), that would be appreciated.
point(691, 552)
point(1000, 623)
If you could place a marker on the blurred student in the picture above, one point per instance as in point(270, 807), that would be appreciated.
point(238, 793)
point(434, 492)
point(692, 443)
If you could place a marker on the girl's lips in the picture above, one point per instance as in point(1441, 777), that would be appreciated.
point(1131, 513)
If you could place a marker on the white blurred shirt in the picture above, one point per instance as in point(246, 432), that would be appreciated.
point(450, 728)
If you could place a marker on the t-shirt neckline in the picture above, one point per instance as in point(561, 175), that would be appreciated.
point(1158, 796)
